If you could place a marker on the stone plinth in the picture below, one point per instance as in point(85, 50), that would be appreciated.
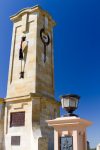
point(33, 133)
point(70, 126)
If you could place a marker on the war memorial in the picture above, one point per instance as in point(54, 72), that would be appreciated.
point(30, 114)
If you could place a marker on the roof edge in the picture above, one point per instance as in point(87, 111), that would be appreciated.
point(24, 10)
point(31, 9)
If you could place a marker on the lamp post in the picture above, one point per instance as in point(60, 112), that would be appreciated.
point(69, 132)
point(70, 103)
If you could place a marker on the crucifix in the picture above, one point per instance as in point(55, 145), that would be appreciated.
point(22, 53)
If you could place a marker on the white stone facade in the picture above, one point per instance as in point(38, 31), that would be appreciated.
point(1, 124)
point(98, 147)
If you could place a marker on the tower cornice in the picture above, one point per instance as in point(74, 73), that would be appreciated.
point(29, 10)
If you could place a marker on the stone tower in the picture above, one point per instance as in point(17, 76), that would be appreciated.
point(36, 26)
point(30, 92)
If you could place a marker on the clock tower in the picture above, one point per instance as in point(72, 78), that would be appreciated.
point(30, 92)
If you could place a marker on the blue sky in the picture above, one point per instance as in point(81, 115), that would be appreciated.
point(76, 51)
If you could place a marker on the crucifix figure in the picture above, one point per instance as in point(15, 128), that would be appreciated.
point(45, 39)
point(22, 55)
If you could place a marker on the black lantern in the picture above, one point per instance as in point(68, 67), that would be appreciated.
point(70, 103)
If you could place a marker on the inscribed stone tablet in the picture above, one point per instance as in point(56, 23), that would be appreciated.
point(17, 119)
point(15, 140)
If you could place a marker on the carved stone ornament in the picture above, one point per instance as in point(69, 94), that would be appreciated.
point(66, 143)
point(45, 39)
point(23, 54)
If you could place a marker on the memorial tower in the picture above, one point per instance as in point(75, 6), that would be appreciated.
point(30, 92)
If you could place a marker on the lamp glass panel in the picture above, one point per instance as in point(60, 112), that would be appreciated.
point(66, 102)
point(77, 103)
point(72, 103)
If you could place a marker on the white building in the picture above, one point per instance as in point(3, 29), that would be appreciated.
point(98, 147)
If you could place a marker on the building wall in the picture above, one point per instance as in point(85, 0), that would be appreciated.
point(43, 135)
point(23, 131)
point(17, 86)
point(98, 147)
point(1, 126)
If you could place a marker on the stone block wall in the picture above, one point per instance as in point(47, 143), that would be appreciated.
point(42, 110)
point(1, 126)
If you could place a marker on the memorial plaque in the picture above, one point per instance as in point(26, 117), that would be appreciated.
point(17, 119)
point(15, 140)
point(66, 143)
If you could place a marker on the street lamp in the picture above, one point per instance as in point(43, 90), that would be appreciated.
point(70, 103)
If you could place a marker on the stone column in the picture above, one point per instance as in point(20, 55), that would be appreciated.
point(56, 140)
point(75, 140)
